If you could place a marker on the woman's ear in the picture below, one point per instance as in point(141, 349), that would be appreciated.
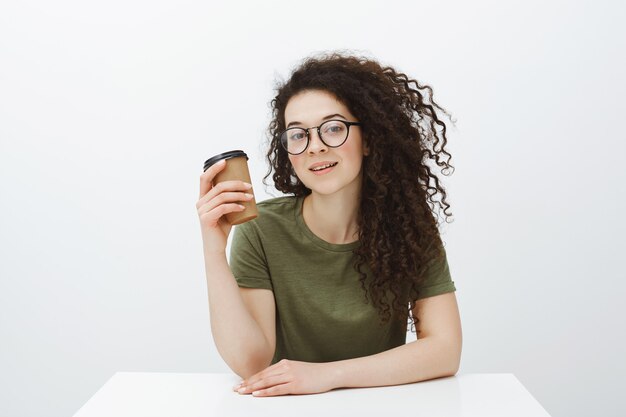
point(366, 150)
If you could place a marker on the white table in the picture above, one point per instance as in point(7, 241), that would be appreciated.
point(152, 394)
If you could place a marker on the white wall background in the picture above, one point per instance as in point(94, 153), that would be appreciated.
point(108, 110)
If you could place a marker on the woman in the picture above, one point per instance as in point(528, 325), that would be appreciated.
point(321, 284)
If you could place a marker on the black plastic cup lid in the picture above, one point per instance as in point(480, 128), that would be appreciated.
point(225, 155)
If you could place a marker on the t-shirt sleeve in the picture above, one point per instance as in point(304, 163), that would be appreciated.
point(437, 279)
point(247, 259)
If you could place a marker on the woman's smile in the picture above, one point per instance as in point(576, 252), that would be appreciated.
point(323, 169)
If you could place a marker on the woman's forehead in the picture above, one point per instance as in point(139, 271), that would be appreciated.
point(312, 106)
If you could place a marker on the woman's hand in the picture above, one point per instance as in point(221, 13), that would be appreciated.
point(215, 202)
point(290, 377)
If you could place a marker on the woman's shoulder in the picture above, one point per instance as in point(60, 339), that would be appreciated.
point(275, 211)
point(276, 222)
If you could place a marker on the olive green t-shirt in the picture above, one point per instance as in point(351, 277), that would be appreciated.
point(321, 311)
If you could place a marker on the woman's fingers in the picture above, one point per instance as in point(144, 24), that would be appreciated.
point(223, 187)
point(265, 383)
point(212, 217)
point(206, 179)
point(278, 368)
point(223, 198)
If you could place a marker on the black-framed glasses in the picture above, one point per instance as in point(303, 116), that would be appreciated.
point(333, 133)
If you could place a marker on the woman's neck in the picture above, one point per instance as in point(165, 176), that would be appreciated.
point(332, 218)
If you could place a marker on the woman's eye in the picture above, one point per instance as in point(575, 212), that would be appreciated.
point(296, 136)
point(334, 128)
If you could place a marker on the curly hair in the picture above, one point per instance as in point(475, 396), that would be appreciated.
point(396, 226)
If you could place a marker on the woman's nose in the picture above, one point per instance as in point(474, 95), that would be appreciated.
point(315, 143)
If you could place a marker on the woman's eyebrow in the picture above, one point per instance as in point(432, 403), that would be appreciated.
point(330, 116)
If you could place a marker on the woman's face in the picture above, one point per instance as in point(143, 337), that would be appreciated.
point(311, 108)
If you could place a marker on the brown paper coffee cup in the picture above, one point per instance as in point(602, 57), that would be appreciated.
point(236, 169)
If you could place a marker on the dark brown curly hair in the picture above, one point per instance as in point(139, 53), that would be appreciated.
point(397, 228)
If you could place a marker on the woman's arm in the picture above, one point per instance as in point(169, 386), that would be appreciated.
point(239, 338)
point(437, 353)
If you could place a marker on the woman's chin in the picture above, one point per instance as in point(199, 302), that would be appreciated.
point(325, 190)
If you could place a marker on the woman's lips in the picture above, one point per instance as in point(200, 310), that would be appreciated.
point(324, 171)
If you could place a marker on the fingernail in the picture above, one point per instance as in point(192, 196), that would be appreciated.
point(236, 387)
point(248, 195)
point(247, 185)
